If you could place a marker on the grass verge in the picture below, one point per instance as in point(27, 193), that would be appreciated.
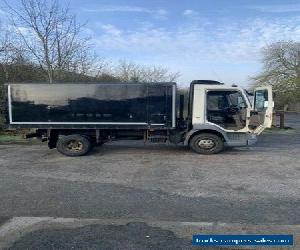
point(16, 137)
point(286, 130)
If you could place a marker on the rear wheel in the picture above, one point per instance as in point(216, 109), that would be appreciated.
point(73, 145)
point(206, 143)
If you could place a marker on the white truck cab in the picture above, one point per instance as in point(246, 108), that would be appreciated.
point(227, 112)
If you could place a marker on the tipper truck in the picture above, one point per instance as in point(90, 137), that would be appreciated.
point(75, 117)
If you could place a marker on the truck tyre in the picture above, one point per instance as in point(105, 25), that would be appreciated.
point(206, 143)
point(73, 145)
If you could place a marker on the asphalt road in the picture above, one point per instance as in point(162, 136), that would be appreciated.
point(257, 185)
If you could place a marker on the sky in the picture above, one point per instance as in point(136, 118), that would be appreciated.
point(201, 39)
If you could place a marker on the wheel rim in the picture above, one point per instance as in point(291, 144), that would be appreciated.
point(75, 146)
point(206, 143)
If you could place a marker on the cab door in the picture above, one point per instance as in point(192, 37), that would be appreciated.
point(263, 107)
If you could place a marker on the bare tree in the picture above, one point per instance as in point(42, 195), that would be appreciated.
point(281, 68)
point(51, 36)
point(3, 49)
point(5, 43)
point(10, 52)
point(129, 71)
point(281, 62)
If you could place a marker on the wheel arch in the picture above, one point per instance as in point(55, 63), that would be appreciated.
point(198, 131)
point(54, 135)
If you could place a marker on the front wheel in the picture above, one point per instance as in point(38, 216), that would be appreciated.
point(206, 143)
point(73, 145)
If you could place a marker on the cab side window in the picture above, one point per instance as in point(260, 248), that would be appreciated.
point(226, 109)
point(261, 96)
point(216, 101)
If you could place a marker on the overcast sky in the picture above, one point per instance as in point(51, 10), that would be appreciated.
point(207, 39)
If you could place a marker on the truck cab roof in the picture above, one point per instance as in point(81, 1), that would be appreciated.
point(207, 82)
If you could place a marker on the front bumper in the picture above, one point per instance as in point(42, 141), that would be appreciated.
point(252, 139)
point(240, 139)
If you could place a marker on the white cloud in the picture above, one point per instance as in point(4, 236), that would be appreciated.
point(110, 29)
point(189, 12)
point(87, 31)
point(118, 8)
point(161, 14)
point(188, 47)
point(277, 8)
point(229, 42)
point(157, 13)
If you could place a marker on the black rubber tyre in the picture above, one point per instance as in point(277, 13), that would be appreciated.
point(206, 143)
point(73, 145)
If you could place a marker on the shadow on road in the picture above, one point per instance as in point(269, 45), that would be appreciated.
point(131, 236)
